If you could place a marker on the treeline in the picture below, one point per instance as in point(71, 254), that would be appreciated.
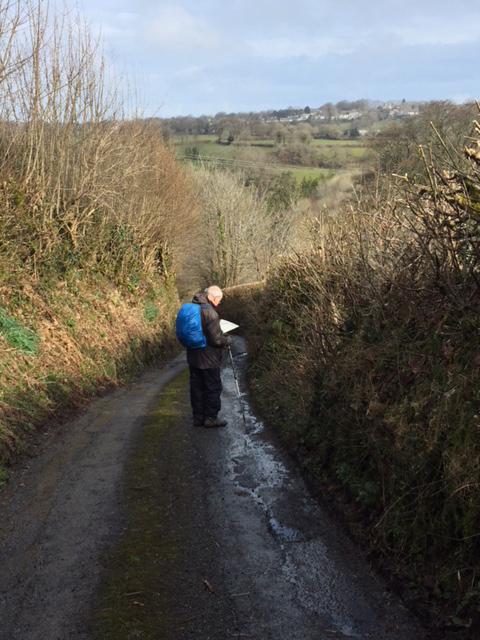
point(263, 124)
point(440, 128)
point(230, 129)
point(365, 357)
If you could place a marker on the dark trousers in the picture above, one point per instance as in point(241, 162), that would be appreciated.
point(205, 390)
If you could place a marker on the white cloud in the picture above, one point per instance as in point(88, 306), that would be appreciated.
point(174, 28)
point(207, 55)
point(117, 28)
point(278, 48)
point(432, 31)
point(114, 32)
point(190, 72)
point(127, 17)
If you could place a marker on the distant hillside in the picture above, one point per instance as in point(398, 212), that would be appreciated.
point(364, 113)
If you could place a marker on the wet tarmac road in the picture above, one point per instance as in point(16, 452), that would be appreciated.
point(283, 567)
point(63, 509)
point(301, 576)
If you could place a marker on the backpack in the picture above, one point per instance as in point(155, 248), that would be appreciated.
point(188, 326)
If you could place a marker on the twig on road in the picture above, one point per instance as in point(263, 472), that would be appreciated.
point(208, 586)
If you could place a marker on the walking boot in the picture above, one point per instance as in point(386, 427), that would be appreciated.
point(214, 422)
point(198, 421)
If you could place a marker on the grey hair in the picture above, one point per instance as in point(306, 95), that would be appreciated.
point(214, 292)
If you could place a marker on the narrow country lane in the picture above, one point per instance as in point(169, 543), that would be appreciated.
point(241, 550)
point(63, 510)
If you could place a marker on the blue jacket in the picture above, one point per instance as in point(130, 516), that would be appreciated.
point(211, 356)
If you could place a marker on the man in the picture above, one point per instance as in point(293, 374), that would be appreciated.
point(205, 380)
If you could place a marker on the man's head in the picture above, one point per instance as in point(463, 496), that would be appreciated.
point(214, 295)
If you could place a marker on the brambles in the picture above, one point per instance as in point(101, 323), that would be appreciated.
point(368, 359)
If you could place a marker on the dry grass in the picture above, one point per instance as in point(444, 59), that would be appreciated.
point(91, 204)
point(82, 186)
point(91, 336)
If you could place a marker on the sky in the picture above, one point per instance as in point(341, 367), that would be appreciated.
point(205, 56)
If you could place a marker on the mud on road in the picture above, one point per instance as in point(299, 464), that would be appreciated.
point(138, 525)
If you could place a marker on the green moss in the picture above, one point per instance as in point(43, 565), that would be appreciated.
point(71, 323)
point(3, 477)
point(135, 600)
point(18, 336)
point(150, 311)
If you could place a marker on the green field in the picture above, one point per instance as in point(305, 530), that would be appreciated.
point(323, 142)
point(336, 155)
point(196, 139)
point(309, 172)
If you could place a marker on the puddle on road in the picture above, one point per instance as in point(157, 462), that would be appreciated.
point(317, 581)
point(254, 465)
point(255, 471)
point(283, 533)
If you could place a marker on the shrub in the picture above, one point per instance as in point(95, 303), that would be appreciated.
point(366, 355)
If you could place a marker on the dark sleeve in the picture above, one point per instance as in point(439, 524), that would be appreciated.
point(213, 333)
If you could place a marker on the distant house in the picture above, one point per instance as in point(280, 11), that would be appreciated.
point(348, 115)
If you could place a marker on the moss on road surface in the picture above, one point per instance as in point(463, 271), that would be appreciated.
point(151, 589)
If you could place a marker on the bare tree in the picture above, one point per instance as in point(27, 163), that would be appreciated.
point(239, 234)
point(94, 183)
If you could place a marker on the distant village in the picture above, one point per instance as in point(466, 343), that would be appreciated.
point(330, 112)
point(355, 118)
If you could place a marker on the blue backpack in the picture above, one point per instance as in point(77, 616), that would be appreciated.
point(188, 326)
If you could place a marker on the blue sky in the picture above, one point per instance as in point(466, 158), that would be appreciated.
point(205, 56)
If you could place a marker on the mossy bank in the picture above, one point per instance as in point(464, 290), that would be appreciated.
point(64, 342)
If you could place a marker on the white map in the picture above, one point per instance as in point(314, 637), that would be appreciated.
point(226, 326)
